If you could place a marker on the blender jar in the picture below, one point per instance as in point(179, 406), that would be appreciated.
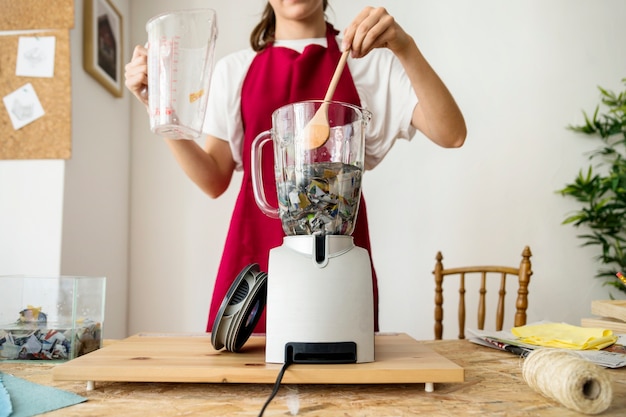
point(318, 189)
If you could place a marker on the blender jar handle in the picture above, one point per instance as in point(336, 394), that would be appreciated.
point(257, 174)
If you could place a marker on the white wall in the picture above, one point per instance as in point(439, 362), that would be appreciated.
point(96, 197)
point(177, 232)
point(70, 217)
point(31, 207)
point(521, 70)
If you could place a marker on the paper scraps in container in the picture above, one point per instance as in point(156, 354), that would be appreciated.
point(23, 106)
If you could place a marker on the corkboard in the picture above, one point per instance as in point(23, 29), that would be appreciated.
point(36, 14)
point(48, 137)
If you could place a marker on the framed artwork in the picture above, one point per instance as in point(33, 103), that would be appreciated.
point(102, 44)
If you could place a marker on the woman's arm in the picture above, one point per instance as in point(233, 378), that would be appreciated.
point(436, 115)
point(210, 168)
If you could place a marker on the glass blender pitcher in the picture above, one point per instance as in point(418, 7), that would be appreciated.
point(319, 189)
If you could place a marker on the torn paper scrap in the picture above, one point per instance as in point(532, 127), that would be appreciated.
point(23, 106)
point(35, 56)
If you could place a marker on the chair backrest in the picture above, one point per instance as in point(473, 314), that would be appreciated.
point(522, 274)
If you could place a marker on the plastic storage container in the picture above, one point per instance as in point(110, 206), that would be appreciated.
point(50, 318)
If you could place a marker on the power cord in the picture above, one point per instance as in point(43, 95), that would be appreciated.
point(288, 361)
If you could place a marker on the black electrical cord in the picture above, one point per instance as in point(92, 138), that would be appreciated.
point(279, 378)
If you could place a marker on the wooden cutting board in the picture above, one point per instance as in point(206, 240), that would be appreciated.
point(615, 309)
point(191, 358)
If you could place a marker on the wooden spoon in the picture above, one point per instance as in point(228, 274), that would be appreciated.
point(317, 130)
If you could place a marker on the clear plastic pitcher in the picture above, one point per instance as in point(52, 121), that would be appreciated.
point(319, 189)
point(181, 48)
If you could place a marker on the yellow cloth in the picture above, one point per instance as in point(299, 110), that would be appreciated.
point(565, 336)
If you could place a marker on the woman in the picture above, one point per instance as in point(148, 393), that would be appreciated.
point(293, 55)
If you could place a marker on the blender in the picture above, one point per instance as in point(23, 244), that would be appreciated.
point(320, 306)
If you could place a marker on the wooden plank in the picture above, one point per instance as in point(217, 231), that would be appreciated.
point(191, 358)
point(609, 308)
point(616, 326)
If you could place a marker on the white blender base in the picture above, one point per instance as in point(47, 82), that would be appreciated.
point(313, 303)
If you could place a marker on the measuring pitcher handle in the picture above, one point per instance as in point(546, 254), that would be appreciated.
point(257, 174)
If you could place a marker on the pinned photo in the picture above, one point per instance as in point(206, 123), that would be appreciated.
point(35, 56)
point(23, 106)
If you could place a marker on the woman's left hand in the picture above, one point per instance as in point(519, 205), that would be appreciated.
point(436, 113)
point(374, 28)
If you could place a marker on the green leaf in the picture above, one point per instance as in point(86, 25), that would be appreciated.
point(601, 189)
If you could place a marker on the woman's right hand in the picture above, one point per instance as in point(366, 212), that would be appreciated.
point(136, 74)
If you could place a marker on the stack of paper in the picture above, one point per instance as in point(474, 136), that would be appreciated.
point(613, 356)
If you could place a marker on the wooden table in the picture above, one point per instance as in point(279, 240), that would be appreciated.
point(493, 386)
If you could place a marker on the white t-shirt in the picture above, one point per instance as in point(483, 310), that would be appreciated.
point(382, 85)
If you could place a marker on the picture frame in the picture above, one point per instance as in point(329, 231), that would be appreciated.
point(103, 41)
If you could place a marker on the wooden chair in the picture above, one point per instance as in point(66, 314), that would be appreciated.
point(522, 274)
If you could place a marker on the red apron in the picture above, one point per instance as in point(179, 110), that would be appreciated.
point(277, 77)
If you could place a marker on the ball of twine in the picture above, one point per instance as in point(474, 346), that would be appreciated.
point(568, 378)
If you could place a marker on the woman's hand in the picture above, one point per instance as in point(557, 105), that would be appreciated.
point(374, 28)
point(136, 74)
point(436, 113)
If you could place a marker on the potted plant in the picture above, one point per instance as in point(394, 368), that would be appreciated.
point(601, 188)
